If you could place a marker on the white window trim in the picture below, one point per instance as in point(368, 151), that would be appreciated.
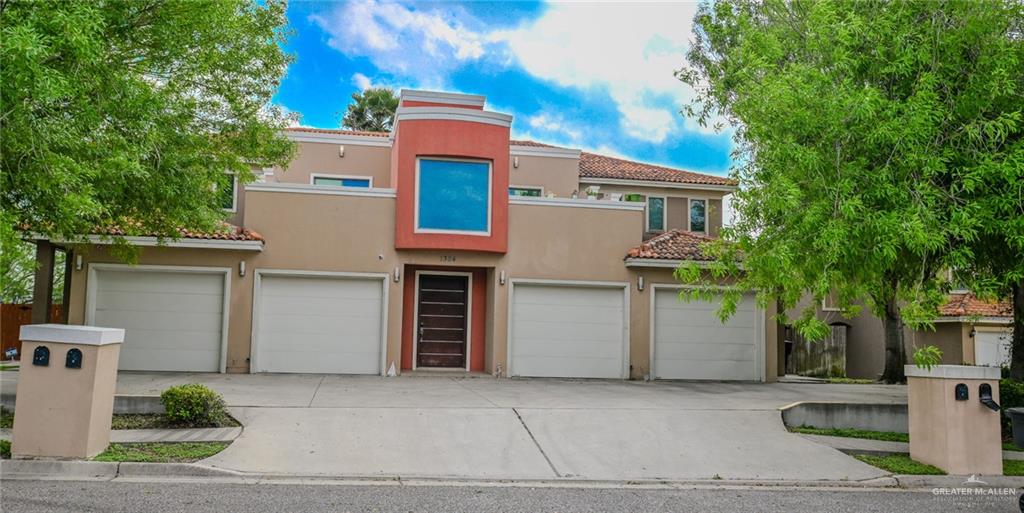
point(512, 282)
point(314, 176)
point(533, 187)
point(647, 213)
point(92, 284)
point(254, 355)
point(490, 198)
point(759, 328)
point(469, 315)
point(234, 193)
point(689, 214)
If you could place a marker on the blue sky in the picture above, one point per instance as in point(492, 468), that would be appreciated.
point(593, 76)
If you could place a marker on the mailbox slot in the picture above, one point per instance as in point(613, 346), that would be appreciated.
point(73, 360)
point(960, 392)
point(985, 396)
point(41, 356)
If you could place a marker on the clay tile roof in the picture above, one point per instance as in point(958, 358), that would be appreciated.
point(534, 144)
point(672, 245)
point(228, 232)
point(336, 131)
point(600, 166)
point(967, 305)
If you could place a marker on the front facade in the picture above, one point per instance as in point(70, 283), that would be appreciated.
point(440, 245)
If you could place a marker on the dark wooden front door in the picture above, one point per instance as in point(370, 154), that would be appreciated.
point(441, 327)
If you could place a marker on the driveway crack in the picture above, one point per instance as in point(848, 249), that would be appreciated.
point(536, 443)
point(313, 398)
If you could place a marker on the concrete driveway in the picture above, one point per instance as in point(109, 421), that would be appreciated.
point(485, 428)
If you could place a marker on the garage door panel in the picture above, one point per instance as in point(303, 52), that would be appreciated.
point(690, 342)
point(567, 331)
point(319, 324)
point(173, 320)
point(706, 351)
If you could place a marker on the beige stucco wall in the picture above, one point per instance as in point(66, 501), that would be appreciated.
point(556, 175)
point(674, 218)
point(960, 437)
point(373, 161)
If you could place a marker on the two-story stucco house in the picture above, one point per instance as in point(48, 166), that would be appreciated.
point(440, 245)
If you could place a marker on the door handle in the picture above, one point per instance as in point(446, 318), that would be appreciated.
point(421, 330)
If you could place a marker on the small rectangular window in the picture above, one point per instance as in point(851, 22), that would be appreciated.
point(226, 190)
point(698, 216)
point(525, 191)
point(655, 214)
point(342, 181)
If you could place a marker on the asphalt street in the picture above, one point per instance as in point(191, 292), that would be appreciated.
point(120, 496)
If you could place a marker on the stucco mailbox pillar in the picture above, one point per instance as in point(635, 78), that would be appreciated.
point(952, 422)
point(65, 390)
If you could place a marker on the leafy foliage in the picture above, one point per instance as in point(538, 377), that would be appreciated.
point(900, 464)
point(927, 357)
point(193, 405)
point(17, 273)
point(372, 110)
point(170, 452)
point(865, 133)
point(129, 113)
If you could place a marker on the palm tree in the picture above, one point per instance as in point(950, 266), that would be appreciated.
point(372, 110)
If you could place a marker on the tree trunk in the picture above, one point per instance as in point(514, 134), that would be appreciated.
point(1017, 347)
point(895, 355)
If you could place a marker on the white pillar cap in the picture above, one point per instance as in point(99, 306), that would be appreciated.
point(952, 372)
point(72, 334)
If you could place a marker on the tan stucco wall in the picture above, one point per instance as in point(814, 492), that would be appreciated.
point(640, 324)
point(960, 437)
point(673, 217)
point(374, 161)
point(556, 175)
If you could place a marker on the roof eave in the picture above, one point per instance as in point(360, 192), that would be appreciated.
point(657, 183)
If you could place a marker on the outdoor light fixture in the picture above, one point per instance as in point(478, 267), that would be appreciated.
point(515, 162)
point(241, 268)
point(972, 332)
point(501, 278)
point(341, 152)
point(398, 274)
point(640, 283)
point(78, 262)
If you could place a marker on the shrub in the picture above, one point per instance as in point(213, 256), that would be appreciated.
point(1011, 395)
point(193, 405)
point(5, 449)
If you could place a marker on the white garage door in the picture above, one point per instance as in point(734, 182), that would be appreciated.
point(992, 348)
point(319, 324)
point(691, 343)
point(172, 321)
point(568, 331)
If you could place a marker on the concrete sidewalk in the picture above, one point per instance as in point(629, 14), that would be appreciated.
point(486, 428)
point(164, 435)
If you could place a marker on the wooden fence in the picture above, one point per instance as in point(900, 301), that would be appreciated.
point(822, 359)
point(12, 318)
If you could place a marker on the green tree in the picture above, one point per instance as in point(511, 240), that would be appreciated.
point(372, 110)
point(861, 126)
point(129, 113)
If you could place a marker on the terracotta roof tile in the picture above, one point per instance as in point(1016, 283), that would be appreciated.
point(336, 131)
point(600, 166)
point(229, 232)
point(968, 305)
point(673, 245)
point(534, 144)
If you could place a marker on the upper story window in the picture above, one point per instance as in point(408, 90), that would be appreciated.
point(517, 190)
point(226, 189)
point(453, 196)
point(698, 215)
point(655, 214)
point(341, 180)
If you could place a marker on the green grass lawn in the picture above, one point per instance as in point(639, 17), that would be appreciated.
point(1013, 467)
point(885, 436)
point(851, 381)
point(4, 367)
point(125, 421)
point(185, 452)
point(900, 464)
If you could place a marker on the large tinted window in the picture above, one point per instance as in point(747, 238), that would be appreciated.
point(655, 214)
point(698, 222)
point(453, 196)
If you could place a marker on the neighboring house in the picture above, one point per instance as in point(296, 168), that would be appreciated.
point(442, 244)
point(968, 331)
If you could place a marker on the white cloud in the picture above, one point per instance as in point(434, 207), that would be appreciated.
point(361, 81)
point(629, 50)
point(551, 123)
point(401, 39)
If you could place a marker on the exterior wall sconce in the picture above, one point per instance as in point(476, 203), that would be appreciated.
point(640, 283)
point(397, 273)
point(515, 162)
point(341, 152)
point(972, 332)
point(501, 278)
point(78, 262)
point(241, 268)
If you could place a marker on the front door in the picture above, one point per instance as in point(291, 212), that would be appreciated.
point(442, 315)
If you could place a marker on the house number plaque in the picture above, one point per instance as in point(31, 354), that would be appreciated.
point(447, 258)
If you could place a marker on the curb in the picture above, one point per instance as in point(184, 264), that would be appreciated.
point(57, 469)
point(122, 403)
point(908, 481)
